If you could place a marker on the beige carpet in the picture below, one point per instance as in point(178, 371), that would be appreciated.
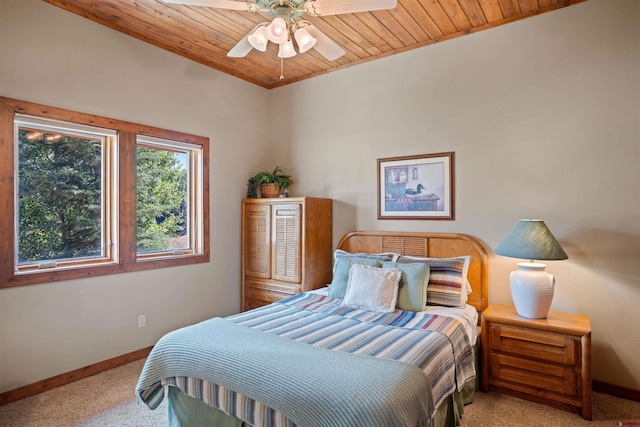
point(107, 399)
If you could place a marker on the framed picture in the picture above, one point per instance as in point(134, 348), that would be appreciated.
point(416, 187)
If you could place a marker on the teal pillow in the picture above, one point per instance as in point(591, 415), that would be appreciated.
point(338, 287)
point(412, 290)
point(448, 279)
point(387, 256)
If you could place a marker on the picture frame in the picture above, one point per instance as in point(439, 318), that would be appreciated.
point(417, 187)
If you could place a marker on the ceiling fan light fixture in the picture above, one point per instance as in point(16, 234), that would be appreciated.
point(305, 40)
point(258, 39)
point(283, 28)
point(286, 50)
point(277, 31)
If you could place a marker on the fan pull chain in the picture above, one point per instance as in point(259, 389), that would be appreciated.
point(281, 69)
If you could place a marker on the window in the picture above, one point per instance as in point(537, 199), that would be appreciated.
point(63, 179)
point(168, 175)
point(82, 195)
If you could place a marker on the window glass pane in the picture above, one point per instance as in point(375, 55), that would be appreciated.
point(162, 193)
point(59, 194)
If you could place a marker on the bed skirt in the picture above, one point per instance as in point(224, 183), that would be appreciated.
point(187, 411)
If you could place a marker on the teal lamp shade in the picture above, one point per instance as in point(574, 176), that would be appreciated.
point(531, 239)
point(532, 287)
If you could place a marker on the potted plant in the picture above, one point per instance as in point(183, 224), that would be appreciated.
point(272, 184)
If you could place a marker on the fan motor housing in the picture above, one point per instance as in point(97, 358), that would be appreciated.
point(291, 8)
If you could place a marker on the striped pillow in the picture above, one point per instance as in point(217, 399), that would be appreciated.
point(447, 279)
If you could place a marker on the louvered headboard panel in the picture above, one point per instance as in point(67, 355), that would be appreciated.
point(433, 245)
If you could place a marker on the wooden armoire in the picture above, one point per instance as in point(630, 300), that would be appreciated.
point(286, 248)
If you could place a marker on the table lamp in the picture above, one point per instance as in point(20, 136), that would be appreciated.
point(531, 286)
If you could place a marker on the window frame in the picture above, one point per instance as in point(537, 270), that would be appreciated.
point(123, 197)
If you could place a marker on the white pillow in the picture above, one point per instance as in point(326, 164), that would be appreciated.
point(372, 288)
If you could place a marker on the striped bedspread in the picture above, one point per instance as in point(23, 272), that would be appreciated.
point(436, 344)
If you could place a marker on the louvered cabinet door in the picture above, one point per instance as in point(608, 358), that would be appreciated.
point(286, 237)
point(257, 241)
point(286, 248)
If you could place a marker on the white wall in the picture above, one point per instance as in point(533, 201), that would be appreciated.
point(543, 114)
point(56, 58)
point(544, 117)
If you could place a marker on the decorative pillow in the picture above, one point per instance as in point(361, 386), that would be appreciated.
point(372, 288)
point(447, 279)
point(338, 286)
point(412, 289)
point(386, 256)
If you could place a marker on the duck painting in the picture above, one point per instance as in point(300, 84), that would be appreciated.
point(412, 192)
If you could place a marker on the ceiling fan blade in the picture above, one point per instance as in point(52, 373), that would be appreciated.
point(220, 4)
point(243, 47)
point(335, 7)
point(327, 47)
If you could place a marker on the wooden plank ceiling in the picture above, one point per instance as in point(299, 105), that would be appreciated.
point(205, 35)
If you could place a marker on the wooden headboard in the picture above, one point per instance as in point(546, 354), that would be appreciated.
point(433, 245)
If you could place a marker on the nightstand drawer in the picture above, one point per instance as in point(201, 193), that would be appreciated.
point(531, 376)
point(533, 344)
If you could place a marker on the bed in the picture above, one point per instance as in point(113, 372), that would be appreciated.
point(331, 358)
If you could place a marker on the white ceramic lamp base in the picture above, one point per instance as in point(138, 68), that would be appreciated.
point(532, 290)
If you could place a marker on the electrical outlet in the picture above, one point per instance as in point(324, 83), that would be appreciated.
point(142, 321)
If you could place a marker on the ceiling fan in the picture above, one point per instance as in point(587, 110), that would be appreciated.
point(285, 25)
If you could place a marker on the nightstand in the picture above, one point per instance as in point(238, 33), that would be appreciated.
point(547, 361)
